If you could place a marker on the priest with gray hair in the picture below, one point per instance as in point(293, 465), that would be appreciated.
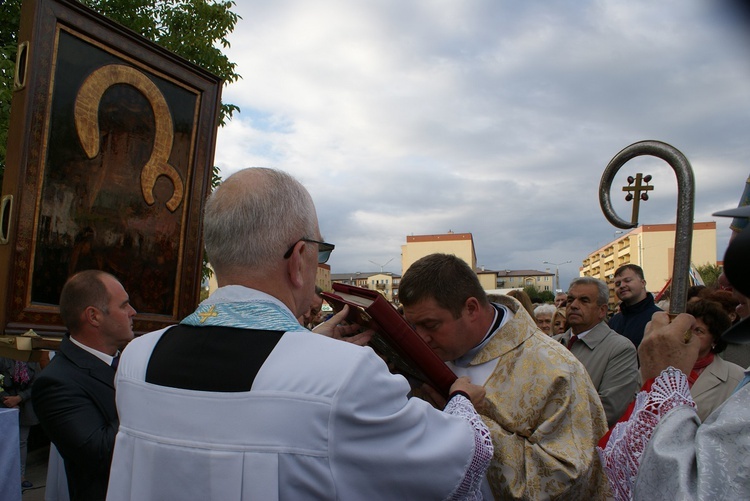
point(239, 401)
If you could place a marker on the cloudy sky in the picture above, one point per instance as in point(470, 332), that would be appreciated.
point(411, 117)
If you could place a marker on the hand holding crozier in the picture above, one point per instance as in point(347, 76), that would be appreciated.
point(665, 344)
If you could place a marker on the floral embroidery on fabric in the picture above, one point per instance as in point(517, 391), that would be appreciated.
point(21, 373)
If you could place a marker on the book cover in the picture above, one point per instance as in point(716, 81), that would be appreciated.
point(396, 341)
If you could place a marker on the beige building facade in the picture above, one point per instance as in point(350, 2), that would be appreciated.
point(516, 279)
point(652, 248)
point(383, 282)
point(462, 246)
point(323, 277)
point(418, 246)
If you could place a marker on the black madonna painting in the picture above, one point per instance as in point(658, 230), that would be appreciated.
point(116, 175)
point(114, 186)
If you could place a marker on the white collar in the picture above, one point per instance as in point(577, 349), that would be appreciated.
point(107, 359)
point(582, 334)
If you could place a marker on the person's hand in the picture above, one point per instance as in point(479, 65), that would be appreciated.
point(664, 345)
point(11, 401)
point(333, 328)
point(476, 392)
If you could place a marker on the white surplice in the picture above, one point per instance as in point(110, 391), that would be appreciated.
point(324, 420)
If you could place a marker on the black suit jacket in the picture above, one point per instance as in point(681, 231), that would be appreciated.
point(74, 398)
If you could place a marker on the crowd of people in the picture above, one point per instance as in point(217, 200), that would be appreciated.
point(242, 401)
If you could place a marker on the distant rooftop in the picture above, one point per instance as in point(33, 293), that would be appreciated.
point(517, 273)
point(361, 274)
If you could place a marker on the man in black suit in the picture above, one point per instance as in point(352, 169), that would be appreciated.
point(74, 396)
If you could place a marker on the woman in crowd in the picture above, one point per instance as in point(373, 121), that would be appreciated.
point(559, 323)
point(543, 314)
point(16, 393)
point(712, 379)
point(733, 303)
point(524, 299)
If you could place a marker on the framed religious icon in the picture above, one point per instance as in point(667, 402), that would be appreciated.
point(109, 162)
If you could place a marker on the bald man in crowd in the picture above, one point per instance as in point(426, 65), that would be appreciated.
point(74, 396)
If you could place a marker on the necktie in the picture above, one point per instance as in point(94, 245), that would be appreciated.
point(116, 361)
point(572, 341)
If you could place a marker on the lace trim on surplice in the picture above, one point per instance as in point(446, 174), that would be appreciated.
point(622, 455)
point(470, 487)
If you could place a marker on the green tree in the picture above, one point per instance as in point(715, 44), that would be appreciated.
point(539, 296)
point(194, 29)
point(10, 17)
point(709, 273)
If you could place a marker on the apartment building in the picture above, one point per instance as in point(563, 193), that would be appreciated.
point(651, 247)
point(384, 282)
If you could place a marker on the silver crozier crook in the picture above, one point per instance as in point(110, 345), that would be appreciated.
point(685, 208)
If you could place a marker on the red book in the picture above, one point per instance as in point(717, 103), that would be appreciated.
point(396, 340)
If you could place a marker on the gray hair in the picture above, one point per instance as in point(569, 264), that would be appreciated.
point(603, 296)
point(253, 217)
point(545, 309)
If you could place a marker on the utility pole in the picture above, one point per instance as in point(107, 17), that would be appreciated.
point(557, 272)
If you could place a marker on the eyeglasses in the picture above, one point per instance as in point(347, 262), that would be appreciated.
point(324, 249)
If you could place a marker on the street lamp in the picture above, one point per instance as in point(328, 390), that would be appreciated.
point(557, 272)
point(381, 265)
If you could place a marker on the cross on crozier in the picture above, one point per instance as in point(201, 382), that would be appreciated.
point(638, 193)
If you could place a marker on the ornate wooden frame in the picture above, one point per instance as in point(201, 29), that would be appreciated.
point(109, 163)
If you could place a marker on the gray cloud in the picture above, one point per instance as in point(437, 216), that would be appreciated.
point(495, 118)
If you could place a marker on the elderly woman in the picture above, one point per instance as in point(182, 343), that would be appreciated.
point(543, 314)
point(712, 379)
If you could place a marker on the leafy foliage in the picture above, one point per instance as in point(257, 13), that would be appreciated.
point(207, 272)
point(189, 28)
point(709, 273)
point(10, 19)
point(539, 296)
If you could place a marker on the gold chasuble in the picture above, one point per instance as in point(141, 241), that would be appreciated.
point(544, 415)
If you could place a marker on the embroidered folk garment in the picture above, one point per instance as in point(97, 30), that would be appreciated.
point(664, 452)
